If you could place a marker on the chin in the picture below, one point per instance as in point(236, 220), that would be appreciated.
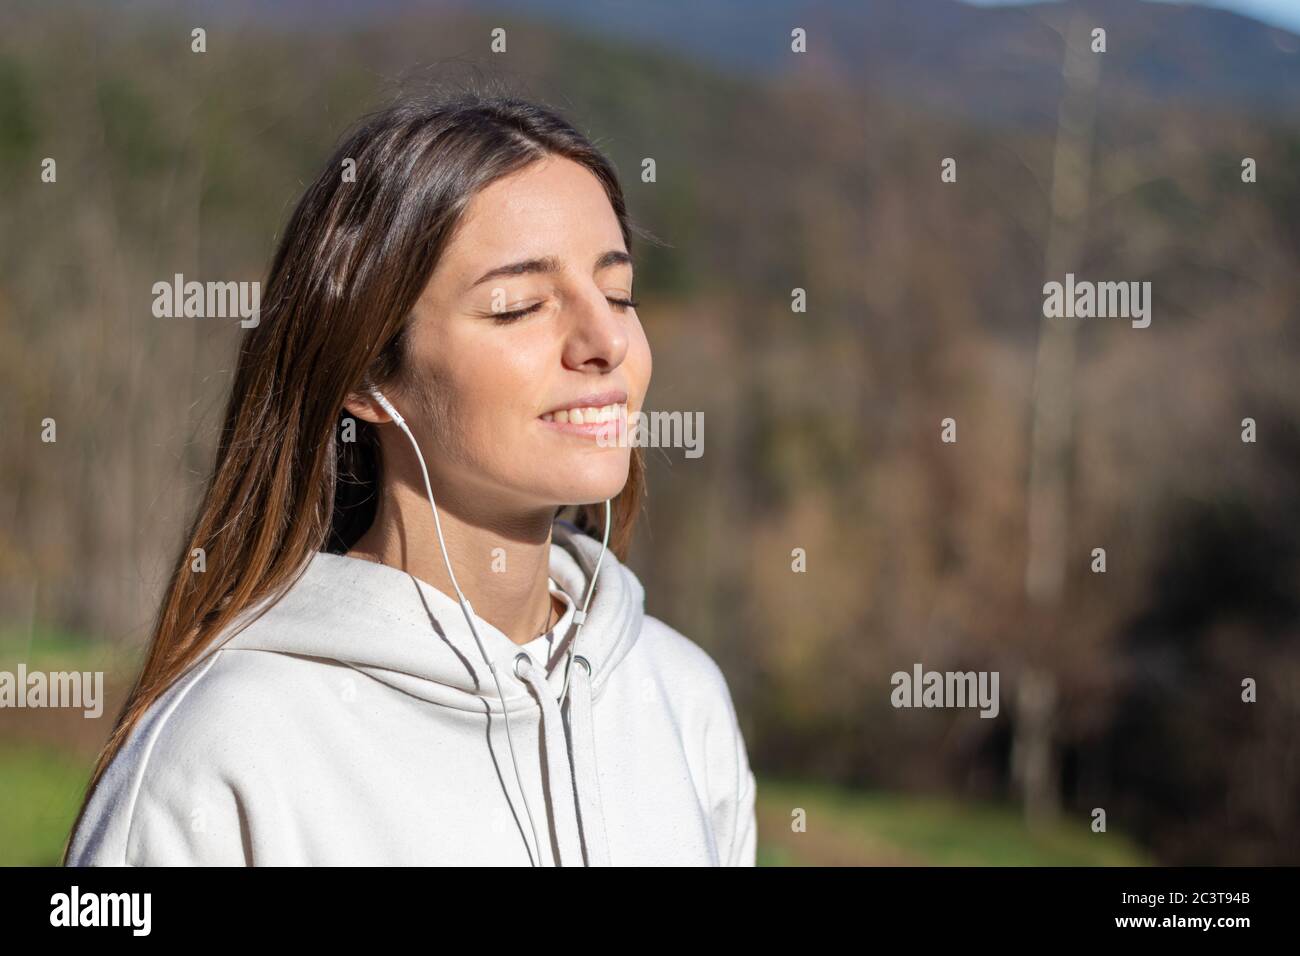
point(596, 485)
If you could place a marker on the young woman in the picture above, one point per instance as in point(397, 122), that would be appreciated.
point(381, 645)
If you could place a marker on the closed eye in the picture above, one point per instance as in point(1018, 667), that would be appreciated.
point(504, 318)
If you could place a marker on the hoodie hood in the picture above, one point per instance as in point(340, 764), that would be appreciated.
point(406, 633)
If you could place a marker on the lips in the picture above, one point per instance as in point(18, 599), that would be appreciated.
point(590, 409)
point(586, 415)
point(601, 416)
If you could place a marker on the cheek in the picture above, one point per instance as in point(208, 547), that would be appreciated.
point(495, 380)
point(639, 365)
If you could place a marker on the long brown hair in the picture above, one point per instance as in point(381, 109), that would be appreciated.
point(350, 265)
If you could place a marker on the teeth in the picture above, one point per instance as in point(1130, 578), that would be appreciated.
point(587, 415)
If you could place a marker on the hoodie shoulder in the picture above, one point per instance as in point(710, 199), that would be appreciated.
point(691, 678)
point(173, 795)
point(696, 679)
point(689, 666)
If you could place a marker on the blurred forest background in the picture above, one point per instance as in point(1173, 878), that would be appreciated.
point(776, 171)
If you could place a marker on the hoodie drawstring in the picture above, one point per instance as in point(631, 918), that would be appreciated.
point(571, 767)
point(586, 782)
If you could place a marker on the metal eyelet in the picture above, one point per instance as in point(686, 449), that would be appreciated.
point(520, 659)
point(579, 659)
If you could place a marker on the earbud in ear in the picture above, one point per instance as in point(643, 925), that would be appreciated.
point(387, 406)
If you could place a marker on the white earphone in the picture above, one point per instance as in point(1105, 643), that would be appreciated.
point(579, 617)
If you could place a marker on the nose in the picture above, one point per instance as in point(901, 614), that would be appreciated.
point(596, 336)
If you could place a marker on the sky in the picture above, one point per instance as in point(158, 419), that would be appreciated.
point(1282, 13)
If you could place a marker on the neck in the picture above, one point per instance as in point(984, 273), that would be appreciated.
point(502, 563)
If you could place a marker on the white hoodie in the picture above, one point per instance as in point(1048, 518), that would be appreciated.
point(356, 723)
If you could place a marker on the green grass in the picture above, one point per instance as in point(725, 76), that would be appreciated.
point(845, 826)
point(38, 801)
point(54, 650)
point(41, 785)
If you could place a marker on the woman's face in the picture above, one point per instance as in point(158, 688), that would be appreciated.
point(522, 318)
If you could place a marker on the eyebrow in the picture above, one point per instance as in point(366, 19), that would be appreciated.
point(546, 264)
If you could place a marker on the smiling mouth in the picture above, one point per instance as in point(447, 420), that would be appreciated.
point(587, 415)
point(601, 422)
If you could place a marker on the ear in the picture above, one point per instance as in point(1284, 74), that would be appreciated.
point(362, 405)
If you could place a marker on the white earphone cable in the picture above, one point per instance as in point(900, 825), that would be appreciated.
point(579, 617)
point(466, 608)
